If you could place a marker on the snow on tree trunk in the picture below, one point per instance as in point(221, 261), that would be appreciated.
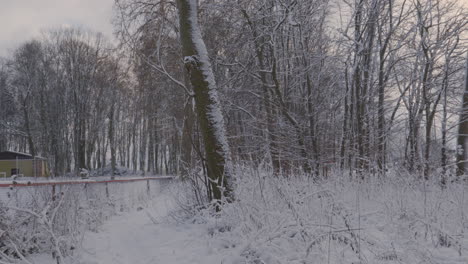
point(207, 103)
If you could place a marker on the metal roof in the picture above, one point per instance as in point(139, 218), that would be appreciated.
point(8, 155)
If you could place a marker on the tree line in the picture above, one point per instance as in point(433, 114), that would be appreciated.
point(295, 86)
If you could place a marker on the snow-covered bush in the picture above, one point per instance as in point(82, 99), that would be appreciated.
point(46, 219)
point(338, 220)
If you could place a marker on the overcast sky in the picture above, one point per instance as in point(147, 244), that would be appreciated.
point(22, 20)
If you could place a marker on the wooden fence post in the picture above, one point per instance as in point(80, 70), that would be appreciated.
point(148, 187)
point(53, 192)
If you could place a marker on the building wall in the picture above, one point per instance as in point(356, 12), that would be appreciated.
point(25, 167)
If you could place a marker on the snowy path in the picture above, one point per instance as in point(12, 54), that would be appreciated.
point(133, 238)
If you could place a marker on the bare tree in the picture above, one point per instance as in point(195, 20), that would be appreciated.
point(462, 142)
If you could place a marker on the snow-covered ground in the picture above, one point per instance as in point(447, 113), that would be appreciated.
point(294, 220)
point(45, 220)
point(145, 236)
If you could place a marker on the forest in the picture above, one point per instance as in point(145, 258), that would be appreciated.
point(297, 131)
point(304, 86)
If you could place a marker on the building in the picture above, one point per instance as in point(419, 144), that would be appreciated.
point(17, 163)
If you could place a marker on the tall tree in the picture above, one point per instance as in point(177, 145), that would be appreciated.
point(207, 103)
point(462, 141)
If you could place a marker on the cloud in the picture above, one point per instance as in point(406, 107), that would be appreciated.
point(22, 20)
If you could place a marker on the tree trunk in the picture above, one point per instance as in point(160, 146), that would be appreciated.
point(28, 130)
point(143, 142)
point(270, 127)
point(206, 100)
point(443, 153)
point(112, 140)
point(462, 142)
point(186, 142)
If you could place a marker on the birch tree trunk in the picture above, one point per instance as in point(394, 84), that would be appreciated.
point(207, 103)
point(112, 140)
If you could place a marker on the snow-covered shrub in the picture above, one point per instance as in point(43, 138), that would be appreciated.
point(338, 220)
point(40, 219)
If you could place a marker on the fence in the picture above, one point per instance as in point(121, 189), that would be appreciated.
point(18, 192)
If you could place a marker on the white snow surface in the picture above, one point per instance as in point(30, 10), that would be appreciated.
point(144, 236)
point(290, 220)
point(134, 238)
